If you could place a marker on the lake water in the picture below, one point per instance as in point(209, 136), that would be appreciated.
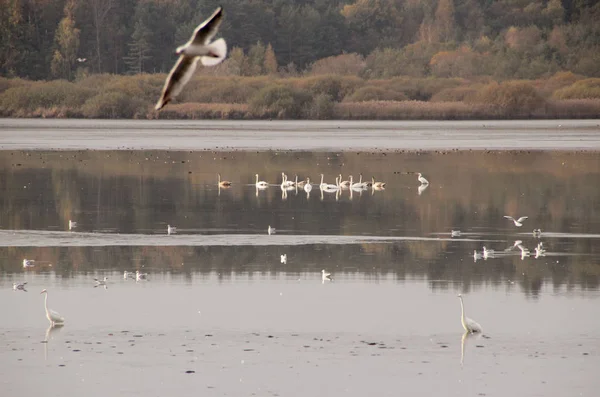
point(220, 314)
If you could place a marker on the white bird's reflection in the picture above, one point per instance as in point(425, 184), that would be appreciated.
point(422, 188)
point(50, 331)
point(463, 342)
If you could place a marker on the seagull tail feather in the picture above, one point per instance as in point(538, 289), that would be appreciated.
point(218, 48)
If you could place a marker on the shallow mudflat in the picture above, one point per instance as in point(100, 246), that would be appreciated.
point(37, 134)
point(293, 335)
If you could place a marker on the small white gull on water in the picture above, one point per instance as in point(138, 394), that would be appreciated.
point(19, 286)
point(488, 253)
point(28, 263)
point(270, 230)
point(524, 251)
point(539, 250)
point(140, 276)
point(101, 282)
point(72, 225)
point(325, 276)
point(171, 229)
point(518, 222)
point(198, 49)
point(284, 259)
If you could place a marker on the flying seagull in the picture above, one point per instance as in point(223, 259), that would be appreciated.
point(518, 222)
point(198, 48)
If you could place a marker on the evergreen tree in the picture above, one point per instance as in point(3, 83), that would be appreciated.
point(139, 48)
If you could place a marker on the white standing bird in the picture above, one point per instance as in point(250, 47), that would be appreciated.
point(127, 275)
point(270, 230)
point(171, 229)
point(325, 276)
point(72, 225)
point(284, 259)
point(19, 286)
point(28, 263)
point(198, 49)
point(422, 179)
point(518, 222)
point(51, 315)
point(469, 325)
point(140, 276)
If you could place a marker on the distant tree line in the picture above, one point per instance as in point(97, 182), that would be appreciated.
point(505, 39)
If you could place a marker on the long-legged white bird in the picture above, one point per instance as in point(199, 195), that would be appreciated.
point(469, 325)
point(198, 49)
point(51, 315)
point(422, 179)
point(518, 222)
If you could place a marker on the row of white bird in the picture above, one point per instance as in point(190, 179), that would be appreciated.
point(308, 186)
point(525, 252)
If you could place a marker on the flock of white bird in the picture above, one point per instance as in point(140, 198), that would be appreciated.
point(200, 48)
point(487, 253)
point(340, 184)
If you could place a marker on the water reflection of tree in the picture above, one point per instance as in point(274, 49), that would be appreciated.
point(133, 192)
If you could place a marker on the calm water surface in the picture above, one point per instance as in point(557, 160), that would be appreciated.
point(220, 303)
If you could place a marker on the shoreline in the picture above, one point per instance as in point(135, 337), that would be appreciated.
point(299, 135)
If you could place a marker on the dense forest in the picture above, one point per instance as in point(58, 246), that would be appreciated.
point(500, 40)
